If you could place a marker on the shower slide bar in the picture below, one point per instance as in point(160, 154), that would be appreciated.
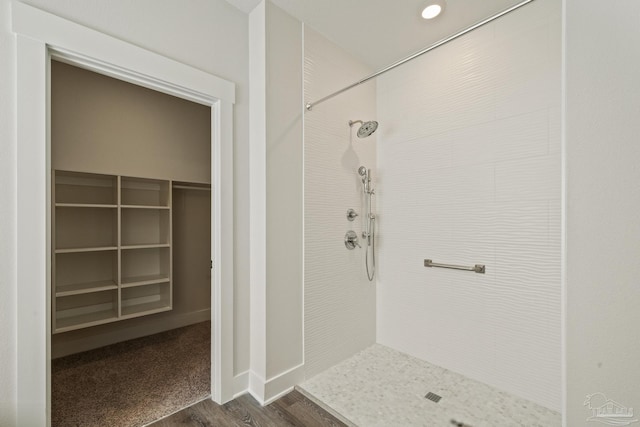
point(478, 268)
point(446, 40)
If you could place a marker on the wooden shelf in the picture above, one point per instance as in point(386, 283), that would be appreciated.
point(83, 272)
point(86, 309)
point(146, 264)
point(145, 227)
point(144, 192)
point(86, 320)
point(144, 309)
point(85, 188)
point(84, 205)
point(112, 256)
point(144, 207)
point(83, 288)
point(151, 246)
point(146, 299)
point(86, 227)
point(128, 282)
point(77, 250)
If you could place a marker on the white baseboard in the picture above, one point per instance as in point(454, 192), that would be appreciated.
point(277, 386)
point(107, 335)
point(256, 387)
point(240, 384)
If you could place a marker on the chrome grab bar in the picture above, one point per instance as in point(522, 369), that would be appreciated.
point(478, 268)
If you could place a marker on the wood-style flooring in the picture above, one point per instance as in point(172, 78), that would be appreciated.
point(293, 409)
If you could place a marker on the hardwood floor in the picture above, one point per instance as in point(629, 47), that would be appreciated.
point(292, 409)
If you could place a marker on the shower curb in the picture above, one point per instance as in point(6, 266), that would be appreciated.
point(324, 406)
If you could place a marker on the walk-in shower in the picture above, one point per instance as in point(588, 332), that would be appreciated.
point(431, 219)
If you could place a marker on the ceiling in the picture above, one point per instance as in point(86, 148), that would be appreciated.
point(380, 32)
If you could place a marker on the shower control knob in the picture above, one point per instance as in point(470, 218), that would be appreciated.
point(351, 214)
point(351, 240)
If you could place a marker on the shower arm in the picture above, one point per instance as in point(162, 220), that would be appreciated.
point(439, 43)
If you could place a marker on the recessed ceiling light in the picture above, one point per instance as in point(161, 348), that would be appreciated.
point(433, 9)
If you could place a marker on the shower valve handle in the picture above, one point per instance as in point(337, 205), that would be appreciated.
point(351, 240)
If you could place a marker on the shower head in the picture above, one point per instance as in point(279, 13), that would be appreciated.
point(362, 171)
point(366, 129)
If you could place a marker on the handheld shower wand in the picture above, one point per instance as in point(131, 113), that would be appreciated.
point(366, 181)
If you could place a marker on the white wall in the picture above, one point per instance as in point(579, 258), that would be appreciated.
point(339, 300)
point(276, 202)
point(100, 124)
point(258, 196)
point(470, 172)
point(8, 223)
point(207, 34)
point(602, 102)
point(284, 191)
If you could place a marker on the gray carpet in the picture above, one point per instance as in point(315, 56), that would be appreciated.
point(132, 383)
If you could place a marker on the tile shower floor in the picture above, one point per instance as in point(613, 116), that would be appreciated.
point(383, 387)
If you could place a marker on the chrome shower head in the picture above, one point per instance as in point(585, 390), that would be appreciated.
point(362, 171)
point(366, 129)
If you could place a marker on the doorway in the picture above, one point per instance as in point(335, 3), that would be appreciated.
point(39, 37)
point(131, 250)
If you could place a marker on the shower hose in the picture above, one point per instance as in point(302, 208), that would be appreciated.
point(372, 243)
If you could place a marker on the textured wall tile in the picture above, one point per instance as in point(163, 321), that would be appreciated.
point(340, 302)
point(555, 129)
point(522, 136)
point(469, 165)
point(532, 178)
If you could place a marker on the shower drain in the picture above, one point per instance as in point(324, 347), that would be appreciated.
point(433, 397)
point(436, 398)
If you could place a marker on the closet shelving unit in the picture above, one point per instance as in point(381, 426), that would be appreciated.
point(111, 249)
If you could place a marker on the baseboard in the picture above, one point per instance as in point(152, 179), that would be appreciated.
point(103, 335)
point(266, 391)
point(240, 384)
point(256, 387)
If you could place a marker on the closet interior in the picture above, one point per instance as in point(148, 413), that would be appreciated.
point(130, 211)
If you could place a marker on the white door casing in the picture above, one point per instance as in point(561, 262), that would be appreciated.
point(41, 36)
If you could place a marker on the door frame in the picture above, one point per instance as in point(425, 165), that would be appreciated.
point(41, 36)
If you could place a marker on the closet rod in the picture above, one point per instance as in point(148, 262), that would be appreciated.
point(446, 40)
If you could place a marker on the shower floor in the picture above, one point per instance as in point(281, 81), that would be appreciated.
point(383, 387)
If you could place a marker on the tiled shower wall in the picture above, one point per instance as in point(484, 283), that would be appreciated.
point(339, 301)
point(469, 171)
